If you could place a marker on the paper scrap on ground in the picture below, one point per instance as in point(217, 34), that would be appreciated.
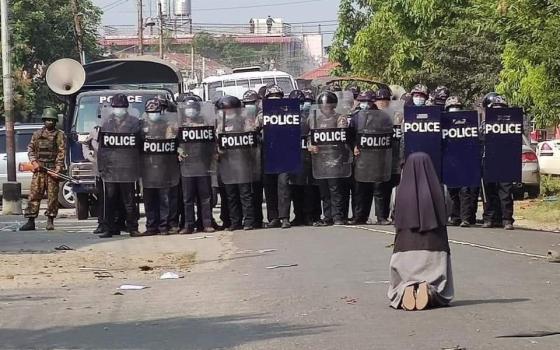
point(280, 266)
point(201, 237)
point(170, 276)
point(131, 287)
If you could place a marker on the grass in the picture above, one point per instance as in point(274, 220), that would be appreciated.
point(540, 211)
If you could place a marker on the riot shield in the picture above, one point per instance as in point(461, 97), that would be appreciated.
point(395, 109)
point(374, 133)
point(305, 175)
point(503, 130)
point(422, 132)
point(118, 158)
point(239, 157)
point(345, 104)
point(461, 157)
point(160, 167)
point(281, 136)
point(330, 135)
point(197, 138)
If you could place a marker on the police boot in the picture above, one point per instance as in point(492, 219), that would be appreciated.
point(286, 223)
point(50, 223)
point(29, 225)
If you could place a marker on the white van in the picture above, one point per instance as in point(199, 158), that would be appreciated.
point(236, 84)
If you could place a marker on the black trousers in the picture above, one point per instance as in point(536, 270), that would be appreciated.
point(120, 194)
point(307, 202)
point(224, 206)
point(363, 196)
point(277, 191)
point(120, 215)
point(241, 205)
point(158, 206)
point(463, 207)
point(257, 202)
point(382, 196)
point(197, 190)
point(334, 194)
point(499, 203)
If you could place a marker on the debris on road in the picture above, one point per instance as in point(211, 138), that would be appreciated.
point(201, 237)
point(63, 247)
point(536, 334)
point(455, 348)
point(262, 251)
point(350, 301)
point(131, 287)
point(145, 268)
point(377, 282)
point(280, 266)
point(553, 256)
point(92, 269)
point(118, 293)
point(102, 274)
point(170, 276)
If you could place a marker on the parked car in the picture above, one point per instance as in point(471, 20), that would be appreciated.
point(23, 133)
point(530, 173)
point(548, 153)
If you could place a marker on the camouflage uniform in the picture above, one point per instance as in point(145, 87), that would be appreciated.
point(48, 149)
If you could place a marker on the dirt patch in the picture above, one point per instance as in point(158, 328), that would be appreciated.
point(538, 214)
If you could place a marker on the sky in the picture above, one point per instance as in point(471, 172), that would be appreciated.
point(118, 12)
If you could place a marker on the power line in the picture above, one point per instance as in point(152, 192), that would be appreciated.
point(254, 6)
point(114, 5)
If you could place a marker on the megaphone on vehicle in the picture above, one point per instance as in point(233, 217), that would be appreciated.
point(66, 76)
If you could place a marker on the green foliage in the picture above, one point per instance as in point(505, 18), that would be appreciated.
point(472, 46)
point(42, 32)
point(231, 54)
point(550, 185)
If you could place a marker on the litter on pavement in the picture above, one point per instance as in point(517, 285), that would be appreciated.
point(170, 276)
point(201, 237)
point(553, 256)
point(280, 266)
point(131, 287)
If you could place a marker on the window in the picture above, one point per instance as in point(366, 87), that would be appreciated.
point(243, 83)
point(215, 90)
point(255, 84)
point(267, 81)
point(285, 84)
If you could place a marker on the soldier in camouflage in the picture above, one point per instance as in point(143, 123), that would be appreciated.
point(46, 151)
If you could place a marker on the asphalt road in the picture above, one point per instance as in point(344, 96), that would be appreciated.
point(335, 298)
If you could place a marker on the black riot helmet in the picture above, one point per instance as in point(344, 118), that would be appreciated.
point(262, 92)
point(367, 96)
point(383, 94)
point(228, 102)
point(119, 101)
point(494, 100)
point(298, 95)
point(184, 96)
point(274, 91)
point(334, 88)
point(327, 97)
point(441, 94)
point(354, 89)
point(191, 102)
point(309, 96)
point(250, 97)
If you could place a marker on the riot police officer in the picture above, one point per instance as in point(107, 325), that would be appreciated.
point(118, 162)
point(253, 106)
point(332, 163)
point(420, 95)
point(238, 160)
point(304, 192)
point(498, 209)
point(196, 155)
point(464, 199)
point(160, 169)
point(46, 151)
point(441, 94)
point(276, 186)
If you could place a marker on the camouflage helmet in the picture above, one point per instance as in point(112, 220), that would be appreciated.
point(274, 91)
point(441, 93)
point(420, 89)
point(297, 95)
point(250, 96)
point(354, 89)
point(309, 95)
point(493, 99)
point(191, 102)
point(49, 113)
point(154, 105)
point(453, 101)
point(334, 88)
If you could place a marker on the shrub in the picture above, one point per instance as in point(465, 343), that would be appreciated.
point(550, 185)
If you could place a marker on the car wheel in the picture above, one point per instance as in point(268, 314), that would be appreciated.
point(82, 206)
point(66, 196)
point(533, 191)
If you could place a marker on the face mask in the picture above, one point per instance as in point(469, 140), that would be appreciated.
point(364, 106)
point(154, 116)
point(191, 112)
point(119, 112)
point(454, 109)
point(306, 106)
point(419, 100)
point(49, 124)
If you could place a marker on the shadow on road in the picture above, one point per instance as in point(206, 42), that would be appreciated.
point(487, 301)
point(173, 333)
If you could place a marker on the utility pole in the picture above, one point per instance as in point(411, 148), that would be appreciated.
point(140, 28)
point(78, 30)
point(160, 15)
point(11, 198)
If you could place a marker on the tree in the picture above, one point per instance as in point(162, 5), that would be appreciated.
point(42, 32)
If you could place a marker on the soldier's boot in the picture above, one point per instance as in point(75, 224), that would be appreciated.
point(50, 223)
point(29, 225)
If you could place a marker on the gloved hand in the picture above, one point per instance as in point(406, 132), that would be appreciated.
point(356, 151)
point(313, 149)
